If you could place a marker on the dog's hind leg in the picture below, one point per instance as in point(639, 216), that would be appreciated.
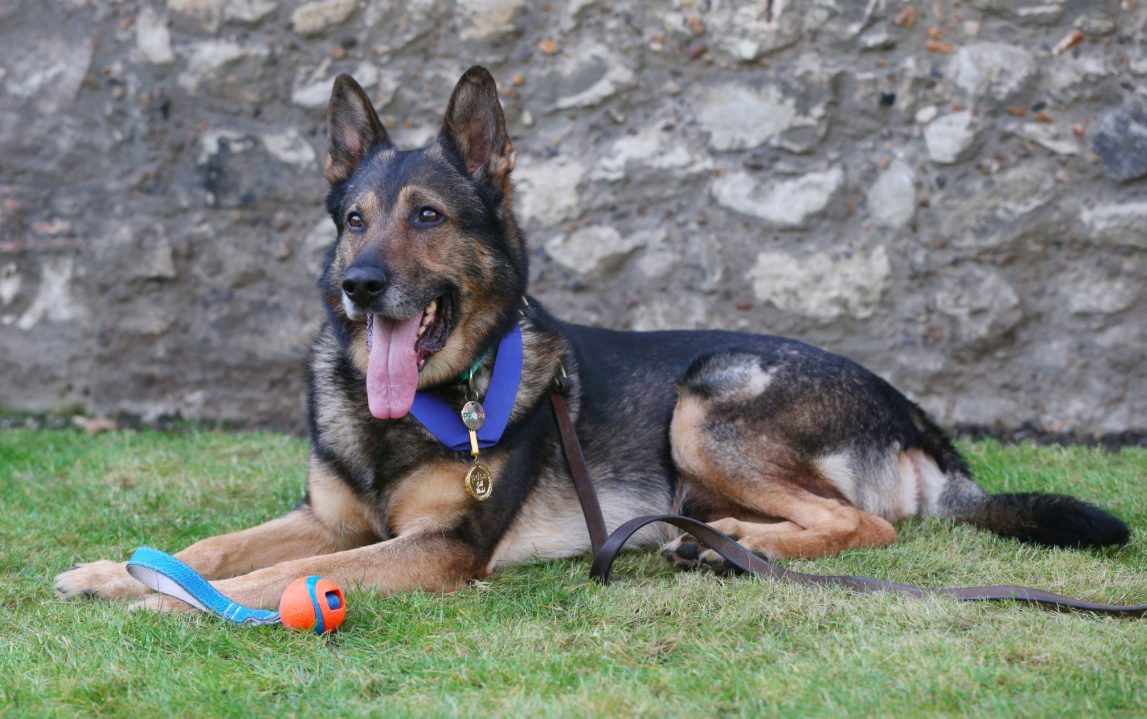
point(332, 519)
point(841, 527)
point(728, 446)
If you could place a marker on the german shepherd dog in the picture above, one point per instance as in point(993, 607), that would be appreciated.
point(790, 450)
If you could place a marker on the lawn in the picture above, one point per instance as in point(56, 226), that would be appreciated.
point(539, 640)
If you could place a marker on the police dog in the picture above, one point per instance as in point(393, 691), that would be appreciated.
point(790, 450)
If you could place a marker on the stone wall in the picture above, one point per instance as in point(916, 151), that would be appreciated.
point(950, 192)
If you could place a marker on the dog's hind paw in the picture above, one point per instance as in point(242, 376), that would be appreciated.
point(98, 580)
point(685, 552)
point(161, 603)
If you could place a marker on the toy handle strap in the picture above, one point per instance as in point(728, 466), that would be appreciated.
point(167, 575)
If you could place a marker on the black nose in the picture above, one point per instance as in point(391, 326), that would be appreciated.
point(363, 284)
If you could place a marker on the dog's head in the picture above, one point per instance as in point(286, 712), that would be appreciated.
point(429, 266)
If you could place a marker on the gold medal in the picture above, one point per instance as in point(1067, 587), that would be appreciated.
point(479, 483)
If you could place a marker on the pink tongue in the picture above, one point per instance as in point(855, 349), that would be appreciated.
point(392, 375)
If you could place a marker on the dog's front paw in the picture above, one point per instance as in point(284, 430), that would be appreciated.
point(161, 603)
point(101, 580)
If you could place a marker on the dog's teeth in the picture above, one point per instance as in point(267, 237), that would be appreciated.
point(421, 330)
point(427, 318)
point(431, 307)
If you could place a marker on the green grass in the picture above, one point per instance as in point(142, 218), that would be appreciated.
point(539, 640)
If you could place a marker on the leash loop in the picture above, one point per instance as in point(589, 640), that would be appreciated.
point(167, 575)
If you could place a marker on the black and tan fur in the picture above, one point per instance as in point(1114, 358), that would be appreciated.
point(792, 450)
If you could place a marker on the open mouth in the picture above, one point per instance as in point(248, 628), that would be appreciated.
point(399, 349)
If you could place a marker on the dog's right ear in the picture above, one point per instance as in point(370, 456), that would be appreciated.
point(353, 128)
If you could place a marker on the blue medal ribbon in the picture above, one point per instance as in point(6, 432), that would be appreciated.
point(445, 423)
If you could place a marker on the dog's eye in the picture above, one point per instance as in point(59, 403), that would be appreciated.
point(354, 221)
point(429, 215)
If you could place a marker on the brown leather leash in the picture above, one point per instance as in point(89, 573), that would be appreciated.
point(590, 507)
point(606, 547)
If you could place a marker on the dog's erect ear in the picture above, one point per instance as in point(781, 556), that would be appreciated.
point(475, 127)
point(353, 128)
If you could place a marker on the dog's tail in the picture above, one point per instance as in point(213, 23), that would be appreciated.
point(1054, 520)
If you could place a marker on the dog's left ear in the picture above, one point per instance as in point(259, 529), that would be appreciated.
point(474, 125)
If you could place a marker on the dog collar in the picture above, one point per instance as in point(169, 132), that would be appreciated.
point(445, 424)
point(469, 374)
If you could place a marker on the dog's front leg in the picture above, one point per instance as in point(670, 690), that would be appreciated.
point(296, 534)
point(333, 519)
point(430, 562)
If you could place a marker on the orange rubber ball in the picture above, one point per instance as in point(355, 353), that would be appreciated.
point(312, 603)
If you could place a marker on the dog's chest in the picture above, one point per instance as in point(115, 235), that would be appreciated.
point(431, 498)
point(550, 523)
